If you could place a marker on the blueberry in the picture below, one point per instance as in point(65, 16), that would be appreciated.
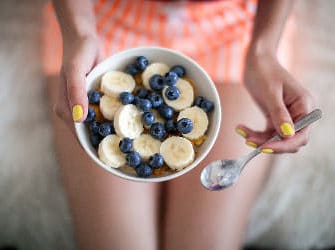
point(95, 140)
point(133, 158)
point(142, 93)
point(144, 104)
point(157, 130)
point(136, 100)
point(157, 82)
point(184, 125)
point(207, 105)
point(106, 129)
point(142, 62)
point(94, 127)
point(172, 93)
point(156, 99)
point(125, 145)
point(143, 170)
point(166, 111)
point(171, 78)
point(132, 69)
point(170, 126)
point(126, 98)
point(180, 70)
point(90, 115)
point(94, 97)
point(148, 118)
point(156, 160)
point(198, 100)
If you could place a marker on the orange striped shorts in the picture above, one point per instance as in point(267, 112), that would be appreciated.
point(214, 33)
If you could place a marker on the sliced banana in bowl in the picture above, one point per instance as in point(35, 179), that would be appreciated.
point(154, 68)
point(128, 122)
point(109, 152)
point(177, 152)
point(146, 146)
point(113, 83)
point(186, 97)
point(109, 105)
point(199, 120)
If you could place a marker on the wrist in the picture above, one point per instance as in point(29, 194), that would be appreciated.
point(76, 35)
point(262, 47)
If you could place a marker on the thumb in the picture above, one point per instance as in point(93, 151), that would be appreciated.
point(280, 116)
point(77, 97)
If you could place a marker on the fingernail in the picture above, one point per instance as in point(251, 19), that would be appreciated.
point(251, 144)
point(286, 129)
point(267, 150)
point(241, 132)
point(77, 112)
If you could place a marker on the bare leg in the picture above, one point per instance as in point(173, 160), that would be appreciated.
point(200, 219)
point(108, 212)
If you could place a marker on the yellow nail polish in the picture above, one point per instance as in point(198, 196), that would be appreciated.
point(287, 129)
point(251, 144)
point(267, 150)
point(77, 112)
point(241, 132)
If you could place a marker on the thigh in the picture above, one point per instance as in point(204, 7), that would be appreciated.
point(108, 212)
point(200, 219)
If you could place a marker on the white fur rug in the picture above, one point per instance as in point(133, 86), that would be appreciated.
point(295, 210)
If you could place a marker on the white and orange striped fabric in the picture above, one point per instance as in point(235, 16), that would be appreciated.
point(214, 33)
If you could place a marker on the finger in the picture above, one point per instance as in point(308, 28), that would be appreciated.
point(254, 138)
point(64, 114)
point(279, 115)
point(76, 94)
point(61, 108)
point(301, 106)
point(287, 145)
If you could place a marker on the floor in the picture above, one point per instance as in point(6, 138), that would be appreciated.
point(295, 210)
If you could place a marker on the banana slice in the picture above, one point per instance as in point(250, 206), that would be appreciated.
point(109, 152)
point(113, 83)
point(199, 119)
point(152, 69)
point(186, 97)
point(109, 105)
point(127, 121)
point(146, 146)
point(177, 152)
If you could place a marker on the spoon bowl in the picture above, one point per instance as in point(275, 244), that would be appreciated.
point(220, 174)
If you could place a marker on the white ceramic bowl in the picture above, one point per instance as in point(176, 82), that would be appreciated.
point(204, 87)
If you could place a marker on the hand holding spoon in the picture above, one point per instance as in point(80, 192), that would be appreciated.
point(223, 173)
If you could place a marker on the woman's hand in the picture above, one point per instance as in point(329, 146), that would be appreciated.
point(79, 56)
point(282, 100)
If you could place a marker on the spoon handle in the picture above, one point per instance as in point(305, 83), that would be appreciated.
point(303, 122)
point(308, 119)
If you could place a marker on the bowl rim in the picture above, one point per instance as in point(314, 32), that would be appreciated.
point(89, 78)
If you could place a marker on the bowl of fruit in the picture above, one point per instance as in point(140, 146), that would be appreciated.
point(154, 114)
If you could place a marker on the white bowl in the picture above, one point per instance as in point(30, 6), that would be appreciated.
point(204, 87)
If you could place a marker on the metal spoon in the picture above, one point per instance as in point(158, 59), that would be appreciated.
point(223, 173)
